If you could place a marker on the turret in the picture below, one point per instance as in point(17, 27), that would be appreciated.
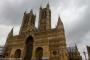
point(45, 19)
point(40, 7)
point(76, 47)
point(10, 33)
point(24, 22)
point(32, 18)
point(31, 12)
point(60, 25)
point(48, 5)
point(24, 12)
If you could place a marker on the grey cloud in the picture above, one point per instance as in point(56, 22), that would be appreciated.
point(12, 13)
point(82, 28)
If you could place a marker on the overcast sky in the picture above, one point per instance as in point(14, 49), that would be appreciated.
point(75, 15)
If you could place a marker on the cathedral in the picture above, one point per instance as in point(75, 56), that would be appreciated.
point(42, 43)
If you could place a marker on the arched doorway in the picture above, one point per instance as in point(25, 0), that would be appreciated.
point(39, 53)
point(29, 48)
point(17, 53)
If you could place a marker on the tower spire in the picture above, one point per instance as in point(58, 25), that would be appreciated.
point(59, 23)
point(48, 5)
point(40, 7)
point(45, 19)
point(24, 12)
point(11, 33)
point(31, 11)
point(76, 47)
point(59, 20)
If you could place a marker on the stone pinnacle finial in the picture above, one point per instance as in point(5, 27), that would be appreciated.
point(59, 20)
point(76, 47)
point(10, 33)
point(24, 12)
point(40, 7)
point(11, 30)
point(59, 23)
point(48, 5)
point(31, 11)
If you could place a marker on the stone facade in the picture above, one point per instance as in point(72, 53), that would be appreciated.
point(38, 43)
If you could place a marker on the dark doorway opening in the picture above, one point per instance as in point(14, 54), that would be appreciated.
point(39, 53)
point(29, 48)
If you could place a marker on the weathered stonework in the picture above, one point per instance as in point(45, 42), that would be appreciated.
point(38, 43)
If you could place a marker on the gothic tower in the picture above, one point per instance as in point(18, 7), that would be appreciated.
point(45, 18)
point(28, 21)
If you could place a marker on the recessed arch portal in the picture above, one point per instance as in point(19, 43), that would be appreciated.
point(29, 48)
